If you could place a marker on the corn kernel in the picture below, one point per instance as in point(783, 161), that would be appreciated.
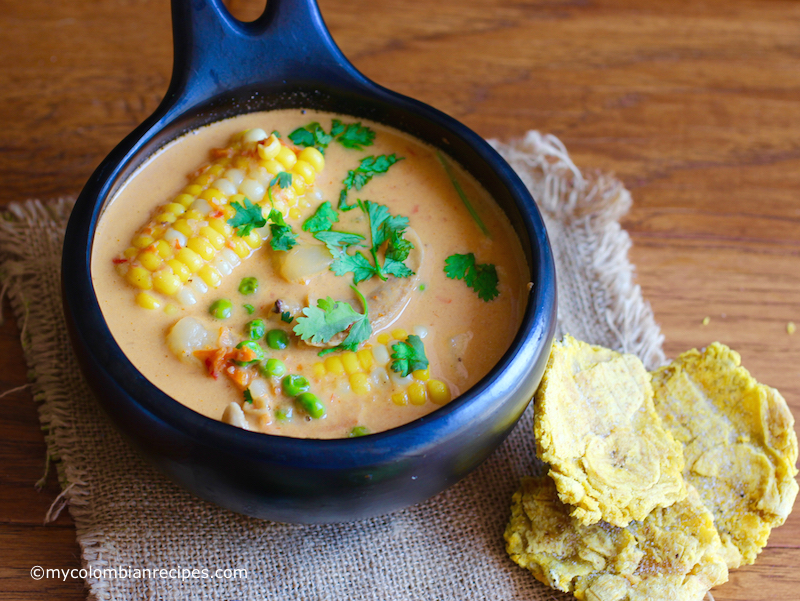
point(166, 217)
point(147, 301)
point(281, 207)
point(270, 148)
point(180, 269)
point(287, 195)
point(314, 157)
point(194, 214)
point(150, 260)
point(182, 226)
point(142, 241)
point(192, 190)
point(216, 239)
point(334, 366)
point(383, 338)
point(273, 166)
point(306, 171)
point(213, 196)
point(210, 276)
point(163, 248)
point(350, 362)
point(184, 200)
point(202, 180)
point(295, 213)
point(417, 394)
point(298, 184)
point(252, 239)
point(130, 252)
point(399, 334)
point(139, 277)
point(190, 258)
point(228, 211)
point(439, 392)
point(175, 207)
point(221, 226)
point(241, 162)
point(171, 309)
point(400, 398)
point(318, 370)
point(202, 247)
point(166, 282)
point(365, 358)
point(422, 374)
point(360, 383)
point(216, 170)
point(240, 247)
point(286, 157)
point(236, 198)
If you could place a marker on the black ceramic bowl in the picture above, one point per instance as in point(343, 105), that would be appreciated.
point(287, 59)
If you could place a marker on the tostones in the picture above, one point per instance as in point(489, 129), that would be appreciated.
point(739, 444)
point(596, 427)
point(674, 554)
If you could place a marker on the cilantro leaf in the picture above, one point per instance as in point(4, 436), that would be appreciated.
point(357, 263)
point(311, 135)
point(321, 323)
point(246, 218)
point(283, 179)
point(481, 277)
point(353, 135)
point(409, 356)
point(338, 241)
point(359, 177)
point(283, 238)
point(396, 268)
point(398, 248)
point(322, 219)
point(286, 317)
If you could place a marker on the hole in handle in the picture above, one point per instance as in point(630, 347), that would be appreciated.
point(246, 11)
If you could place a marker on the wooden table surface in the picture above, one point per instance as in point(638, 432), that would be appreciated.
point(695, 106)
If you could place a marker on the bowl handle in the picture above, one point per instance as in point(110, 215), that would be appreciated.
point(215, 52)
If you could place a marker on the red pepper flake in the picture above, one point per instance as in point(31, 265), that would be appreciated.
point(119, 261)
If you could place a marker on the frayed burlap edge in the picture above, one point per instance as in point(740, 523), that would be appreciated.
point(598, 301)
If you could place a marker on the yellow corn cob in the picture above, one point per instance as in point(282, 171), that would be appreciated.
point(368, 371)
point(188, 246)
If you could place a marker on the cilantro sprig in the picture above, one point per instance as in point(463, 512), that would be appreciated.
point(360, 176)
point(247, 217)
point(321, 323)
point(322, 219)
point(409, 356)
point(481, 277)
point(350, 135)
point(283, 237)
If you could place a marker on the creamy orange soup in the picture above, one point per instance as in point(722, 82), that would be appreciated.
point(229, 288)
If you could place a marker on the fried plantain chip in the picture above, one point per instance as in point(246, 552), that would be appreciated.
point(673, 555)
point(739, 444)
point(596, 427)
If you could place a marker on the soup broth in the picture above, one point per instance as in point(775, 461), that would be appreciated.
point(259, 281)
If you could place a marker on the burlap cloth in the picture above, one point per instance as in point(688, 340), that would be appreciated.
point(129, 516)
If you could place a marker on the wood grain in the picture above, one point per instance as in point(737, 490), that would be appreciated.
point(696, 106)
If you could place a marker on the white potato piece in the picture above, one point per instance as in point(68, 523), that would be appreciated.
point(234, 416)
point(303, 262)
point(185, 337)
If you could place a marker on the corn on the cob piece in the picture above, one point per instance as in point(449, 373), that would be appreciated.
point(367, 371)
point(188, 246)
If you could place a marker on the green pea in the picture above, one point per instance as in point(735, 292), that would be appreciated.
point(311, 404)
point(255, 329)
point(294, 385)
point(359, 431)
point(221, 309)
point(284, 414)
point(273, 368)
point(255, 348)
point(249, 308)
point(248, 286)
point(277, 339)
